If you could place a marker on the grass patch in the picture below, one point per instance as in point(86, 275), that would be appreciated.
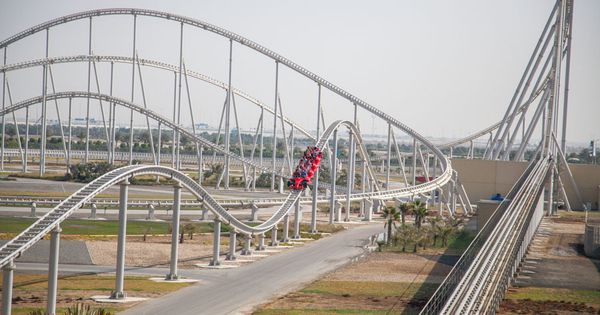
point(100, 283)
point(36, 285)
point(11, 225)
point(457, 244)
point(459, 241)
point(371, 288)
point(554, 294)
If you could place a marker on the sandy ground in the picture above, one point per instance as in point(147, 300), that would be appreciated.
point(558, 244)
point(393, 268)
point(409, 269)
point(557, 247)
point(155, 251)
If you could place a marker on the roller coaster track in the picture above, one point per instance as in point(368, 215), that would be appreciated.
point(51, 220)
point(479, 279)
point(153, 64)
point(62, 211)
point(157, 117)
point(444, 163)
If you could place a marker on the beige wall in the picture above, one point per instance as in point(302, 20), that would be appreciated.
point(485, 178)
point(482, 179)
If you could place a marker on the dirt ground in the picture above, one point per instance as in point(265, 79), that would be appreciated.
point(555, 261)
point(557, 247)
point(396, 282)
point(393, 267)
point(156, 250)
point(545, 307)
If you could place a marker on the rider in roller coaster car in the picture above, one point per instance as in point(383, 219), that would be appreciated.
point(307, 166)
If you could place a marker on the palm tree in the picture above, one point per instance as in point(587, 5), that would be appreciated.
point(405, 209)
point(425, 236)
point(445, 232)
point(405, 234)
point(391, 216)
point(420, 210)
point(435, 224)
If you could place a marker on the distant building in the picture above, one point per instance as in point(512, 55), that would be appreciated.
point(202, 126)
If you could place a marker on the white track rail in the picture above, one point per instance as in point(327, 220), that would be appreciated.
point(479, 280)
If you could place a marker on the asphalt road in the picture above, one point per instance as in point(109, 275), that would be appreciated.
point(240, 290)
point(165, 191)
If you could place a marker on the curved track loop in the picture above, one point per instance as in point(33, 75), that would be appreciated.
point(492, 128)
point(157, 117)
point(153, 64)
point(387, 194)
point(62, 211)
point(444, 162)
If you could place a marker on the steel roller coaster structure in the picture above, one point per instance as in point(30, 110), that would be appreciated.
point(478, 281)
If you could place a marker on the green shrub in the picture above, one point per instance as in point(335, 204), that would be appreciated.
point(87, 172)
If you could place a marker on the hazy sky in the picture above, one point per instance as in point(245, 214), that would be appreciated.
point(445, 68)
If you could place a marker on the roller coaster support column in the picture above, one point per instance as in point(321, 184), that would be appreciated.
point(363, 183)
point(118, 293)
point(44, 107)
point(333, 177)
point(3, 116)
point(216, 243)
point(7, 286)
point(53, 270)
point(274, 156)
point(389, 157)
point(315, 192)
point(297, 220)
point(227, 118)
point(254, 213)
point(274, 241)
point(286, 229)
point(338, 211)
point(232, 244)
point(368, 210)
point(350, 177)
point(175, 232)
point(414, 163)
point(261, 242)
point(246, 251)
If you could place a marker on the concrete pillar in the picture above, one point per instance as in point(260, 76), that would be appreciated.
point(204, 216)
point(33, 210)
point(254, 213)
point(286, 229)
point(118, 293)
point(338, 211)
point(281, 185)
point(53, 270)
point(274, 241)
point(297, 219)
point(261, 242)
point(333, 177)
point(150, 215)
point(216, 243)
point(93, 210)
point(174, 231)
point(368, 210)
point(7, 287)
point(247, 250)
point(232, 243)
